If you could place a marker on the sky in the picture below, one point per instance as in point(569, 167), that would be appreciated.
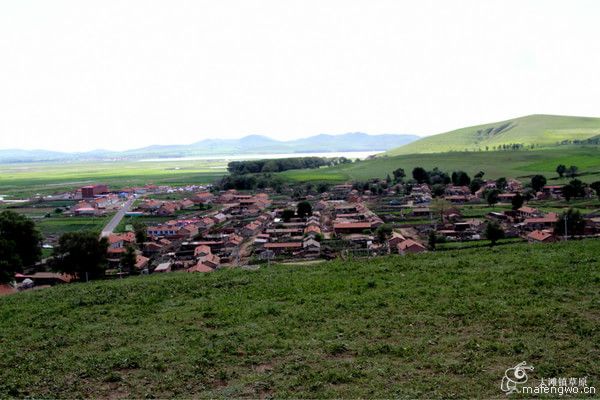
point(111, 74)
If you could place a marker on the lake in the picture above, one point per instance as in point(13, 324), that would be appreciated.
point(350, 154)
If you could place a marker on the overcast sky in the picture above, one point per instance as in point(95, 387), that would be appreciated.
point(80, 75)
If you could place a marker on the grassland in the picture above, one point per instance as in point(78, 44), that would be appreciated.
point(443, 325)
point(23, 180)
point(540, 130)
point(495, 164)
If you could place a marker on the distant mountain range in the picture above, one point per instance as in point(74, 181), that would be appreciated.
point(538, 130)
point(253, 144)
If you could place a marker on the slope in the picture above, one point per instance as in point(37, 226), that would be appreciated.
point(539, 130)
point(431, 326)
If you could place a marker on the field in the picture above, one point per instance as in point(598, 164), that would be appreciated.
point(443, 325)
point(22, 180)
point(540, 130)
point(495, 164)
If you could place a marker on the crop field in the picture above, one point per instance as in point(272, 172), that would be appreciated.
point(438, 325)
point(515, 164)
point(23, 180)
point(57, 225)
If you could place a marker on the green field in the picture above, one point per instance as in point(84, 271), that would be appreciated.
point(495, 164)
point(443, 325)
point(22, 180)
point(540, 130)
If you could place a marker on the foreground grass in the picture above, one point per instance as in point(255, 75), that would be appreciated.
point(431, 325)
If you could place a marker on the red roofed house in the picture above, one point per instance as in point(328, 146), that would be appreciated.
point(410, 246)
point(351, 227)
point(283, 247)
point(541, 236)
point(202, 251)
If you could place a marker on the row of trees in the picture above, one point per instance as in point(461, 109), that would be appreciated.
point(282, 164)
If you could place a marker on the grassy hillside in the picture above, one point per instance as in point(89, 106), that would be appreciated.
point(516, 164)
point(432, 325)
point(545, 130)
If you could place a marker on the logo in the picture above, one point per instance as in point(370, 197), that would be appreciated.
point(515, 376)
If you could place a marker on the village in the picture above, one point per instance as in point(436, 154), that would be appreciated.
point(202, 229)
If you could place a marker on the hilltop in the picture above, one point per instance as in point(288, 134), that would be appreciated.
point(538, 130)
point(438, 325)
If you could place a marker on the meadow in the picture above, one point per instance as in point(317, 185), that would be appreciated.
point(24, 180)
point(515, 164)
point(437, 325)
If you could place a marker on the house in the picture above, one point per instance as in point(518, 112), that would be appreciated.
point(210, 260)
point(312, 230)
point(45, 278)
point(283, 247)
point(202, 250)
point(547, 221)
point(351, 227)
point(84, 208)
point(233, 240)
point(528, 212)
point(310, 245)
point(541, 236)
point(6, 289)
point(200, 267)
point(163, 267)
point(203, 198)
point(421, 212)
point(410, 246)
point(91, 191)
point(141, 262)
point(395, 240)
point(186, 204)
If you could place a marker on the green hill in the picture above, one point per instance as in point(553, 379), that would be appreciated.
point(541, 130)
point(441, 325)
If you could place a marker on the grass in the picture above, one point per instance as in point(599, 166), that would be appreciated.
point(543, 130)
point(442, 325)
point(495, 164)
point(21, 180)
point(57, 225)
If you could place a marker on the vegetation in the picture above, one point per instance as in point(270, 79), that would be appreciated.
point(19, 244)
point(517, 134)
point(81, 254)
point(493, 232)
point(282, 164)
point(441, 325)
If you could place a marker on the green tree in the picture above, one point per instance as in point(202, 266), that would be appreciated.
point(538, 182)
point(571, 172)
point(141, 233)
point(304, 209)
point(596, 187)
point(493, 232)
point(460, 178)
point(501, 183)
point(128, 260)
point(19, 244)
point(475, 185)
point(383, 232)
point(574, 189)
point(431, 240)
point(399, 174)
point(479, 175)
point(420, 175)
point(287, 215)
point(492, 196)
point(517, 201)
point(81, 254)
point(561, 169)
point(574, 223)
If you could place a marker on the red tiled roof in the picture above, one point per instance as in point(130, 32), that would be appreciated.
point(283, 245)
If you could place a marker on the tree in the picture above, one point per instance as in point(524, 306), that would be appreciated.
point(438, 190)
point(574, 189)
point(460, 178)
point(439, 206)
point(596, 187)
point(501, 183)
point(475, 185)
point(517, 201)
point(141, 233)
point(571, 172)
point(492, 196)
point(420, 175)
point(479, 175)
point(493, 232)
point(431, 240)
point(538, 182)
point(81, 254)
point(304, 209)
point(383, 232)
point(128, 260)
point(399, 174)
point(561, 169)
point(287, 215)
point(575, 223)
point(19, 244)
